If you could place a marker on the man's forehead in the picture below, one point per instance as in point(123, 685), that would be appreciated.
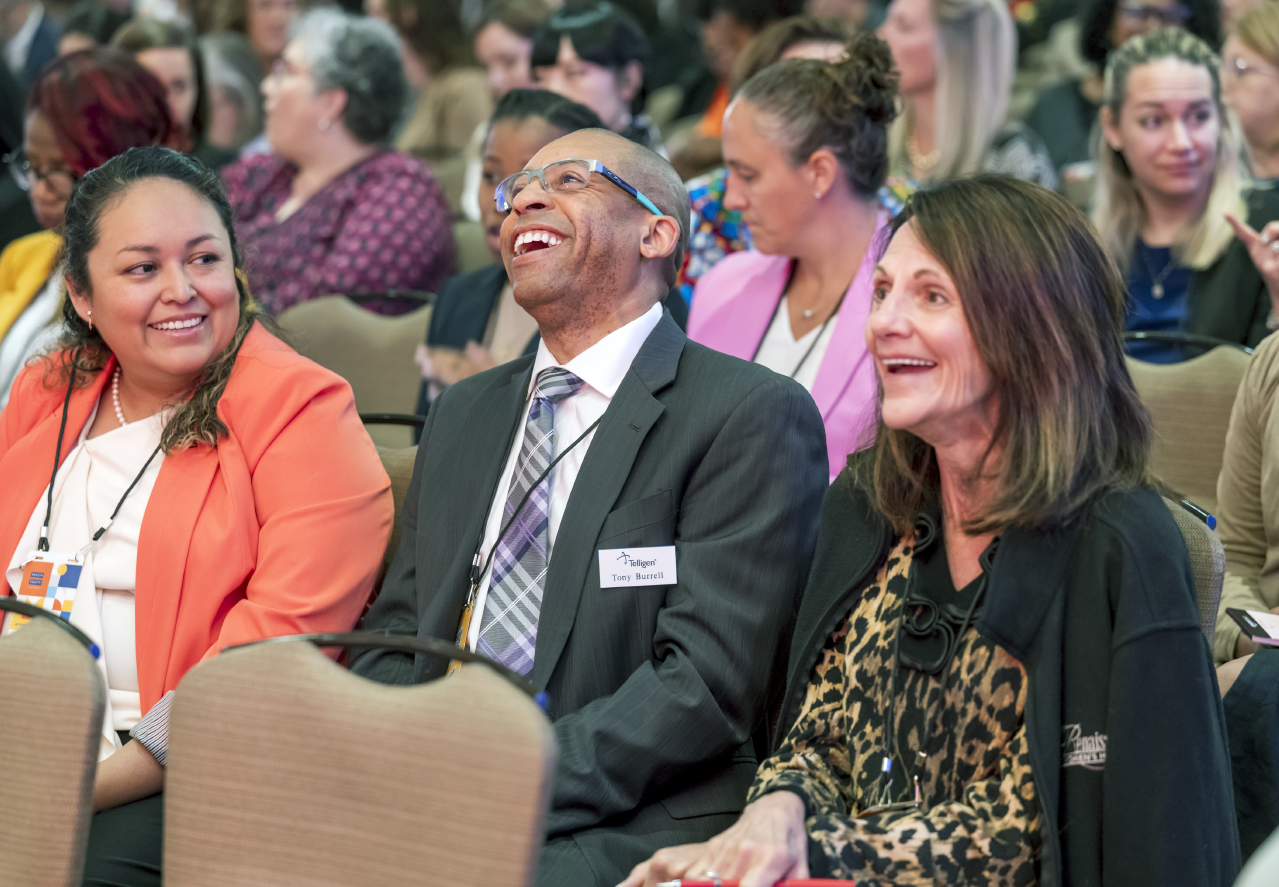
point(608, 149)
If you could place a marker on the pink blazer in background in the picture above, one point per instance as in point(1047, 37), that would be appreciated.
point(732, 307)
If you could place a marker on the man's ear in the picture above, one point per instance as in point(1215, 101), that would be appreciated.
point(661, 239)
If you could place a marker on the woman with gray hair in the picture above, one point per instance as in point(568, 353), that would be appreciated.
point(957, 59)
point(332, 210)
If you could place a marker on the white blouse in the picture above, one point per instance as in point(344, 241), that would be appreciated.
point(87, 489)
point(781, 352)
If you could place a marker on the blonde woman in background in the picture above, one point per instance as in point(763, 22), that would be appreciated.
point(956, 59)
point(1168, 186)
point(1250, 79)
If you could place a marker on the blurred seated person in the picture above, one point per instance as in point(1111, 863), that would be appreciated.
point(504, 43)
point(451, 94)
point(233, 79)
point(1250, 78)
point(16, 216)
point(655, 689)
point(594, 53)
point(1065, 114)
point(30, 36)
point(1169, 192)
point(332, 210)
point(266, 23)
point(86, 108)
point(998, 660)
point(717, 231)
point(1248, 503)
point(89, 24)
point(725, 28)
point(171, 53)
point(476, 323)
point(245, 472)
point(806, 143)
point(956, 60)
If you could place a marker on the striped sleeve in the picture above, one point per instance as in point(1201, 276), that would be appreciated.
point(153, 730)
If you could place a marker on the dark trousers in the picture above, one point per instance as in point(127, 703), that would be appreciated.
point(1252, 727)
point(126, 844)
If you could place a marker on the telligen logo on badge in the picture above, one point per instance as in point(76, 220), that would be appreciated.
point(620, 567)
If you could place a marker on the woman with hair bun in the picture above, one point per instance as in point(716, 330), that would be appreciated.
point(806, 143)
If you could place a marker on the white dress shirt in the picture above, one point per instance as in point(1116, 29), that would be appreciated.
point(19, 45)
point(602, 367)
point(781, 352)
point(31, 333)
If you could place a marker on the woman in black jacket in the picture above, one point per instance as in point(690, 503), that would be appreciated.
point(998, 674)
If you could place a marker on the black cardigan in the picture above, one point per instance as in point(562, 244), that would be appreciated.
point(1228, 299)
point(1103, 617)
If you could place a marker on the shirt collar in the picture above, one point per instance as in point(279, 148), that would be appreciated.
point(19, 45)
point(604, 364)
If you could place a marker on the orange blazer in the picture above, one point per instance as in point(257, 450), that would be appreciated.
point(279, 530)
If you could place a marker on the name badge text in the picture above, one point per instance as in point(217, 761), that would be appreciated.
point(621, 567)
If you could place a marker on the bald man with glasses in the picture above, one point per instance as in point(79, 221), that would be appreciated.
point(626, 518)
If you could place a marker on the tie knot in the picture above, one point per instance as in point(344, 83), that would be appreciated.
point(556, 383)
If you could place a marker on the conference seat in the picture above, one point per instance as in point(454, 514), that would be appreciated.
point(52, 701)
point(1190, 404)
point(286, 769)
point(398, 464)
point(373, 352)
point(1207, 562)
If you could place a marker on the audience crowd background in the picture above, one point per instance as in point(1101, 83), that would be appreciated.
point(1126, 151)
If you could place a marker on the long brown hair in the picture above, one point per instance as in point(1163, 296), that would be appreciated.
point(194, 421)
point(1044, 303)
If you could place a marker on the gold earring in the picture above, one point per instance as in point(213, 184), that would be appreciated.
point(90, 320)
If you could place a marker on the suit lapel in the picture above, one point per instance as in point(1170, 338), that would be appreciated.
point(607, 465)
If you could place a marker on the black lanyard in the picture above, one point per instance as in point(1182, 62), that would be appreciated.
point(821, 332)
point(477, 572)
point(43, 544)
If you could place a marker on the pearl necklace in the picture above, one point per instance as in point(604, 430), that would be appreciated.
point(115, 396)
point(921, 163)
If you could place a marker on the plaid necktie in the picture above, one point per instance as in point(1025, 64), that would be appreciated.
point(508, 633)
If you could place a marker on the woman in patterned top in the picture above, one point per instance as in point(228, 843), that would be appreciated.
point(332, 210)
point(998, 670)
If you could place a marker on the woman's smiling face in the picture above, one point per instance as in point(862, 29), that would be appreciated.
point(162, 276)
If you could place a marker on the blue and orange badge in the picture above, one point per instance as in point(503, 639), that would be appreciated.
point(49, 581)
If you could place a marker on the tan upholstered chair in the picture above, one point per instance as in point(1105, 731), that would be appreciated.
point(1190, 404)
point(371, 351)
point(473, 250)
point(1207, 560)
point(398, 462)
point(52, 699)
point(285, 769)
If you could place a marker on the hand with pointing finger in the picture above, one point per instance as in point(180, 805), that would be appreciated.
point(1263, 248)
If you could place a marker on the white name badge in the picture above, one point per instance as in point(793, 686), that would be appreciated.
point(620, 567)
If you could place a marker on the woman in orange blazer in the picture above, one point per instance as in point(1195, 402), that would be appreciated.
point(263, 511)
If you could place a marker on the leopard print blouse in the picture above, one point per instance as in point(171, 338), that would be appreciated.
point(979, 820)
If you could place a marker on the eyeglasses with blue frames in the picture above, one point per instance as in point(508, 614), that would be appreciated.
point(564, 176)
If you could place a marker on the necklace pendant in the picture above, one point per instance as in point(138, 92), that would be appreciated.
point(808, 314)
point(1157, 290)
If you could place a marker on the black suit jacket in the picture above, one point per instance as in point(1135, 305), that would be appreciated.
point(654, 691)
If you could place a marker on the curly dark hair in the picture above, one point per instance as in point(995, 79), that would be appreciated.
point(845, 106)
point(195, 421)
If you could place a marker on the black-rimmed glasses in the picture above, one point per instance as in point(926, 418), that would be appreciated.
point(59, 181)
point(561, 176)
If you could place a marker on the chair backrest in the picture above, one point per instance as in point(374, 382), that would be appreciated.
point(331, 779)
point(1207, 560)
point(398, 462)
point(371, 351)
point(52, 700)
point(473, 251)
point(1190, 405)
